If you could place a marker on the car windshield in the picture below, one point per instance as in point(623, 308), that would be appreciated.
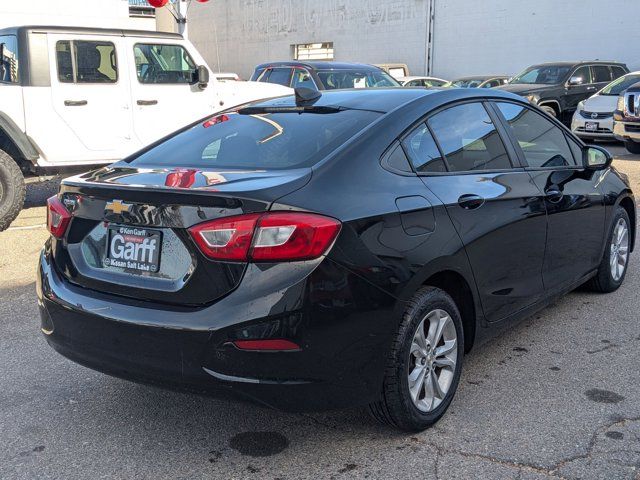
point(619, 85)
point(261, 141)
point(467, 82)
point(546, 75)
point(334, 79)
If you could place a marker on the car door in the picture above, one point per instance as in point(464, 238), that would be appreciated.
point(165, 96)
point(578, 92)
point(572, 198)
point(91, 98)
point(493, 204)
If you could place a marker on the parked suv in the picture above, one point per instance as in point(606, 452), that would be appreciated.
point(557, 88)
point(79, 96)
point(626, 119)
point(324, 75)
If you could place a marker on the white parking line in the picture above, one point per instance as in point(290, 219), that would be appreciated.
point(28, 227)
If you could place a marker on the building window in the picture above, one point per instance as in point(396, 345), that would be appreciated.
point(313, 51)
point(140, 8)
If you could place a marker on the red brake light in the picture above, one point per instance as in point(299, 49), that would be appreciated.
point(273, 236)
point(58, 217)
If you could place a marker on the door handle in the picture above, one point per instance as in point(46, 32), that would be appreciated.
point(75, 103)
point(147, 102)
point(554, 194)
point(591, 88)
point(470, 201)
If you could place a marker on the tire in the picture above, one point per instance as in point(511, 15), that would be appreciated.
point(12, 190)
point(397, 406)
point(549, 111)
point(632, 146)
point(605, 281)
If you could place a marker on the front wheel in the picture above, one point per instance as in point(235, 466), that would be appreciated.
point(424, 365)
point(549, 111)
point(613, 266)
point(632, 146)
point(12, 190)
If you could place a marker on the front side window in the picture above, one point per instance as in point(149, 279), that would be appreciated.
point(9, 64)
point(333, 79)
point(469, 139)
point(423, 151)
point(164, 64)
point(544, 145)
point(584, 73)
point(86, 62)
point(302, 78)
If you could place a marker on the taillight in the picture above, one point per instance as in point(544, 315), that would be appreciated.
point(273, 236)
point(58, 217)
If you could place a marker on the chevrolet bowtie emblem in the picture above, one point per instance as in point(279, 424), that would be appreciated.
point(118, 206)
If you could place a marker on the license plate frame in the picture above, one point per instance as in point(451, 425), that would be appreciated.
point(591, 126)
point(126, 253)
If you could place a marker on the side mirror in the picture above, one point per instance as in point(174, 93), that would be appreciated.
point(597, 158)
point(575, 81)
point(202, 76)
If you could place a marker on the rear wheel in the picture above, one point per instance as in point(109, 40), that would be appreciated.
point(549, 111)
point(613, 266)
point(12, 190)
point(424, 365)
point(632, 146)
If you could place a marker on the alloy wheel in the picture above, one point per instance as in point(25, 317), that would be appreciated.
point(432, 360)
point(619, 249)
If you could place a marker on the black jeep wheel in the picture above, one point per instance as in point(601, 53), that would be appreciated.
point(12, 190)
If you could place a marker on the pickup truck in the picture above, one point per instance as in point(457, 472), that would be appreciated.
point(626, 119)
point(73, 97)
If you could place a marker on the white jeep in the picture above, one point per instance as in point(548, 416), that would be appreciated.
point(78, 96)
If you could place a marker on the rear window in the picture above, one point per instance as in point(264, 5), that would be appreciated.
point(266, 141)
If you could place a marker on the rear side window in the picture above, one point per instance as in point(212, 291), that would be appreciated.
point(163, 64)
point(281, 76)
point(469, 139)
point(266, 141)
point(544, 145)
point(601, 74)
point(617, 71)
point(423, 151)
point(9, 64)
point(86, 62)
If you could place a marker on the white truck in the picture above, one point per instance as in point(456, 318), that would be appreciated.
point(74, 96)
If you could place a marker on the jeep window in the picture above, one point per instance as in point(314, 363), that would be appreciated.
point(9, 59)
point(618, 86)
point(542, 142)
point(333, 79)
point(545, 75)
point(163, 64)
point(86, 62)
point(617, 71)
point(584, 73)
point(601, 74)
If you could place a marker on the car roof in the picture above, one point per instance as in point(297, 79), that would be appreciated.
point(385, 100)
point(419, 77)
point(481, 77)
point(89, 30)
point(582, 62)
point(320, 65)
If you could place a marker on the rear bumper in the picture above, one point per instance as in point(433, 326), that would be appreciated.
point(341, 362)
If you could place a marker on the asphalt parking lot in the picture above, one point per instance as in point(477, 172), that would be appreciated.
point(558, 396)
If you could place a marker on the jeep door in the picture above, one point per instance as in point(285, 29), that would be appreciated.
point(164, 92)
point(576, 93)
point(90, 101)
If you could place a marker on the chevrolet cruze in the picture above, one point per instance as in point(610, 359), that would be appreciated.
point(328, 250)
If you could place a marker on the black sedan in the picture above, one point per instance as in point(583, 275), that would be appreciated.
point(323, 251)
